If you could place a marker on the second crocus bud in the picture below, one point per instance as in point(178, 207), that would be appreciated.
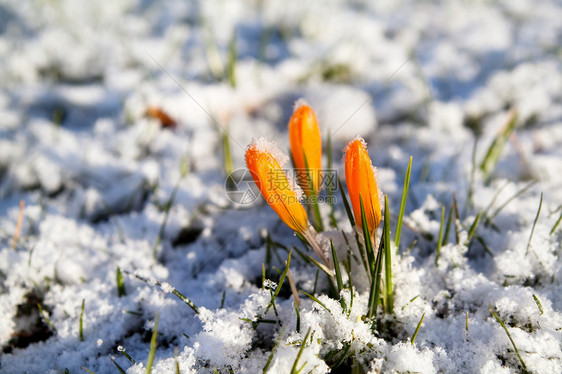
point(362, 184)
point(306, 144)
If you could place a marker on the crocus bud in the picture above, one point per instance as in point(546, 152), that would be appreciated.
point(304, 136)
point(361, 182)
point(274, 185)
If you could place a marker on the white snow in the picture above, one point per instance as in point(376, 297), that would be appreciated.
point(106, 187)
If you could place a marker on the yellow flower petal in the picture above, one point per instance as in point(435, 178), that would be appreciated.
point(360, 179)
point(275, 188)
point(304, 136)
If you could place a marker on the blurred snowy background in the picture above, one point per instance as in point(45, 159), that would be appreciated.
point(106, 184)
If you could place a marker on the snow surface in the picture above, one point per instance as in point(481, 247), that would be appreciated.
point(425, 79)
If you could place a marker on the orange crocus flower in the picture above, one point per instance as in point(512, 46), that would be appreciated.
point(262, 161)
point(274, 186)
point(360, 179)
point(304, 137)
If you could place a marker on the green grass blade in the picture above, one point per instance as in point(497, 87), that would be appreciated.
point(367, 237)
point(533, 228)
point(81, 328)
point(176, 362)
point(227, 155)
point(473, 227)
point(494, 151)
point(87, 370)
point(119, 368)
point(316, 300)
point(448, 227)
point(556, 225)
point(330, 187)
point(440, 238)
point(502, 323)
point(539, 305)
point(516, 195)
point(298, 312)
point(166, 288)
point(403, 205)
point(152, 351)
point(45, 317)
point(375, 289)
point(387, 259)
point(232, 58)
point(338, 274)
point(281, 280)
point(319, 226)
point(417, 329)
point(301, 350)
point(120, 285)
point(273, 350)
point(346, 205)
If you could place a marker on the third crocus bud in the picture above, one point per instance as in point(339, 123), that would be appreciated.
point(362, 184)
point(306, 146)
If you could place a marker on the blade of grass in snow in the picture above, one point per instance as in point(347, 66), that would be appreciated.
point(402, 205)
point(417, 329)
point(473, 227)
point(281, 280)
point(330, 188)
point(228, 165)
point(389, 299)
point(516, 195)
point(81, 329)
point(539, 305)
point(338, 274)
point(152, 351)
point(494, 151)
point(411, 301)
point(301, 350)
point(448, 226)
point(166, 288)
point(293, 288)
point(412, 245)
point(232, 58)
point(533, 228)
point(375, 289)
point(502, 323)
point(352, 222)
point(120, 285)
point(45, 317)
point(469, 195)
point(556, 225)
point(273, 350)
point(18, 226)
point(342, 357)
point(87, 370)
point(119, 368)
point(298, 312)
point(319, 226)
point(440, 237)
point(367, 238)
point(124, 353)
point(222, 299)
point(457, 219)
point(212, 52)
point(493, 201)
point(316, 300)
point(176, 362)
